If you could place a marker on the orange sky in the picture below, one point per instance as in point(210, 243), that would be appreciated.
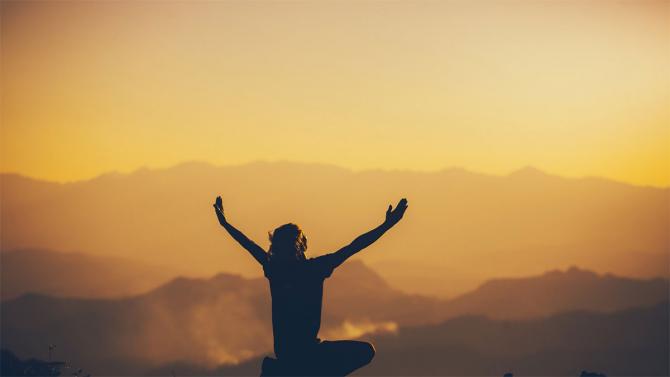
point(572, 87)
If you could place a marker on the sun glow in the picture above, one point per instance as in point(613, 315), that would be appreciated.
point(575, 88)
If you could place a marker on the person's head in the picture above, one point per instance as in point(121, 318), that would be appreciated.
point(288, 243)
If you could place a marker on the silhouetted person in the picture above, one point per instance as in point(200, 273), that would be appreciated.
point(296, 286)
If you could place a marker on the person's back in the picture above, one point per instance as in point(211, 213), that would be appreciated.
point(296, 286)
point(297, 295)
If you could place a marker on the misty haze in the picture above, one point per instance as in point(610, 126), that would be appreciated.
point(366, 188)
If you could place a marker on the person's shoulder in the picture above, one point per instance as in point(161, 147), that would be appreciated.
point(321, 259)
point(312, 262)
point(322, 265)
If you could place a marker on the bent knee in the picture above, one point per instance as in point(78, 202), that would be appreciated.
point(367, 352)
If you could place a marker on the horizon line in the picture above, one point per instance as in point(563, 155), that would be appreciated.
point(524, 168)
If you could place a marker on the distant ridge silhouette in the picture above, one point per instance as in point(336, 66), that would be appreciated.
point(527, 223)
point(631, 342)
point(354, 293)
point(76, 274)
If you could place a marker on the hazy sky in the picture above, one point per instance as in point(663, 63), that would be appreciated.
point(572, 87)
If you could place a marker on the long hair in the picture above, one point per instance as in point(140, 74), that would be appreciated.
point(287, 243)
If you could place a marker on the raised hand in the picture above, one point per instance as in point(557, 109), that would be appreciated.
point(256, 251)
point(218, 207)
point(368, 238)
point(394, 215)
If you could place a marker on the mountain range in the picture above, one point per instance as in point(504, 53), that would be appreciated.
point(76, 274)
point(461, 229)
point(226, 319)
point(631, 342)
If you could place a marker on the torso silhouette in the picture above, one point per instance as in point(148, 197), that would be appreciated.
point(297, 292)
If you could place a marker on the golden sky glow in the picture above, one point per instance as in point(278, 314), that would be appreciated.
point(572, 87)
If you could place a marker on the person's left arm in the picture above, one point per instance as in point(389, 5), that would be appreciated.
point(393, 216)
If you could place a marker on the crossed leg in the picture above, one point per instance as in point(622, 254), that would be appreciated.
point(327, 358)
point(341, 357)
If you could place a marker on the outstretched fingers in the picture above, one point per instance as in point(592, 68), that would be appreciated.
point(393, 215)
point(218, 206)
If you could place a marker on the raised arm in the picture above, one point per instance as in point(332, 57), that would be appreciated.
point(393, 216)
point(256, 251)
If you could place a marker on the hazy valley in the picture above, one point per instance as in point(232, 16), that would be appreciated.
point(462, 229)
point(199, 324)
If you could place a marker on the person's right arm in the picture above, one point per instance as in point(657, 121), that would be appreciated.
point(256, 251)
